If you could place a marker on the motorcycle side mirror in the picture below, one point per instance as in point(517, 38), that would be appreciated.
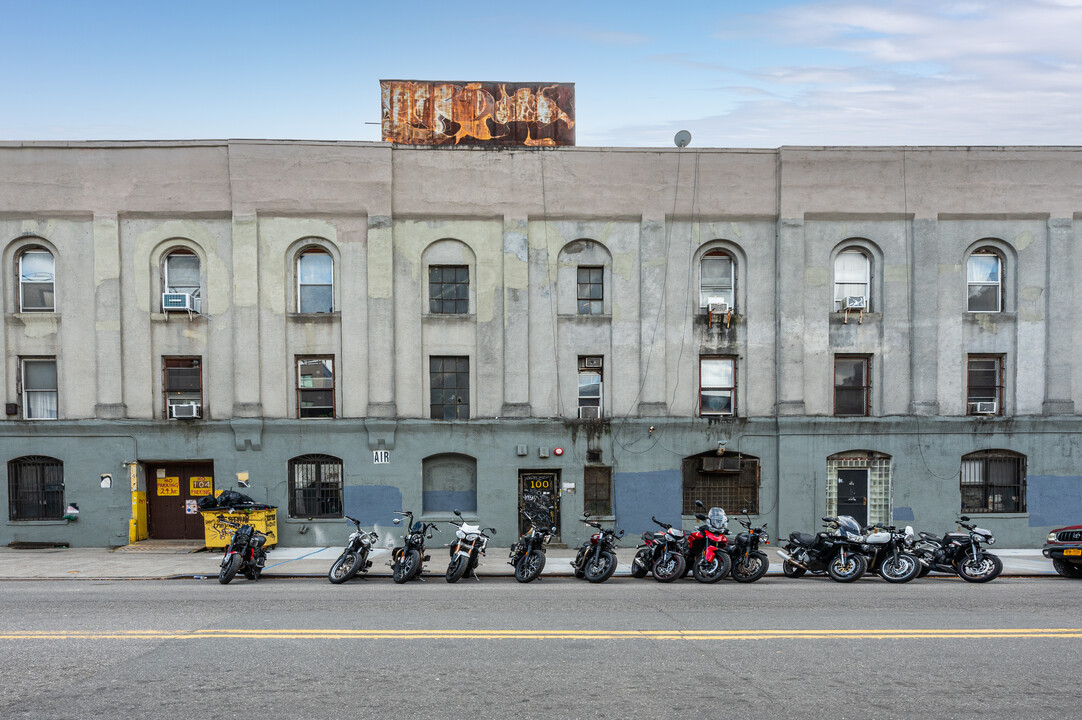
point(744, 511)
point(397, 521)
point(457, 513)
point(553, 530)
point(585, 513)
point(620, 533)
point(492, 530)
point(699, 503)
point(964, 518)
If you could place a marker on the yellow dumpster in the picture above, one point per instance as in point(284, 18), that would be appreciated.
point(217, 534)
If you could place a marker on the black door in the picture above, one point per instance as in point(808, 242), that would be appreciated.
point(853, 494)
point(539, 494)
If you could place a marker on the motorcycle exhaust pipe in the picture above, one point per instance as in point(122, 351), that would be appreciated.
point(786, 556)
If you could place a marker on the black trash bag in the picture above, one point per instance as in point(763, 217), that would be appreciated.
point(232, 499)
point(207, 502)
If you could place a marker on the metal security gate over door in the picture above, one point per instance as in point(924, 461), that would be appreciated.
point(539, 491)
point(173, 491)
point(853, 493)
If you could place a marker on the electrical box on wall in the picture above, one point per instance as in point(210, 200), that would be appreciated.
point(543, 452)
point(521, 450)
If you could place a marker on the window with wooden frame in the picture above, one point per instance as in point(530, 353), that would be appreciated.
point(717, 386)
point(984, 385)
point(35, 488)
point(729, 481)
point(590, 290)
point(315, 281)
point(597, 490)
point(993, 481)
point(315, 486)
point(37, 276)
point(852, 385)
point(315, 387)
point(449, 289)
point(182, 387)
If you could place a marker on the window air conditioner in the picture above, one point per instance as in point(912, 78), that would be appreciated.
point(184, 410)
point(591, 362)
point(855, 302)
point(730, 463)
point(718, 306)
point(984, 408)
point(181, 302)
point(589, 412)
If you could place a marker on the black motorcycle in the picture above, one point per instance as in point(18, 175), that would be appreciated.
point(836, 552)
point(354, 557)
point(244, 553)
point(749, 562)
point(596, 559)
point(468, 548)
point(887, 550)
point(528, 554)
point(408, 559)
point(960, 553)
point(662, 553)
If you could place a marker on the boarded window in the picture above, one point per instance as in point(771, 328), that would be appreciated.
point(449, 482)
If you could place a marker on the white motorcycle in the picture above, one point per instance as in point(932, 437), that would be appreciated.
point(467, 549)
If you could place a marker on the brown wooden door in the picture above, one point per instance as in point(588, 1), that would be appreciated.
point(173, 489)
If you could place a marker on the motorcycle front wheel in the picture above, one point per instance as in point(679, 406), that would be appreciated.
point(530, 566)
point(669, 567)
point(791, 569)
point(407, 565)
point(713, 570)
point(980, 571)
point(229, 570)
point(344, 567)
point(903, 570)
point(641, 565)
point(852, 569)
point(457, 568)
point(750, 567)
point(601, 568)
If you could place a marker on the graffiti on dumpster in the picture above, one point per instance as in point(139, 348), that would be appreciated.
point(417, 112)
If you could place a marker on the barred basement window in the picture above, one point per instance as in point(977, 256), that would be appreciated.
point(35, 488)
point(315, 486)
point(993, 481)
point(729, 481)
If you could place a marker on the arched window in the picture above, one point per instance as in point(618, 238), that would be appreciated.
point(852, 279)
point(35, 488)
point(37, 278)
point(315, 281)
point(315, 486)
point(449, 482)
point(180, 274)
point(717, 279)
point(984, 281)
point(993, 481)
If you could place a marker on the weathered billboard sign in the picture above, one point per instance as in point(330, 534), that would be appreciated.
point(419, 112)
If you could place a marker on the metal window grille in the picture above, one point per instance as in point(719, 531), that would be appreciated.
point(591, 290)
point(993, 482)
point(315, 486)
point(597, 490)
point(449, 385)
point(734, 491)
point(35, 488)
point(449, 289)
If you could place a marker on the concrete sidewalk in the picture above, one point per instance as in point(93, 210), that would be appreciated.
point(164, 560)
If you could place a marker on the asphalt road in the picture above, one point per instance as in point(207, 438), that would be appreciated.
point(557, 648)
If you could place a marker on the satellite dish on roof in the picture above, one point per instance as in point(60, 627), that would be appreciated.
point(682, 139)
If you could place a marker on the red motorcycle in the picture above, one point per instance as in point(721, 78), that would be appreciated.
point(706, 555)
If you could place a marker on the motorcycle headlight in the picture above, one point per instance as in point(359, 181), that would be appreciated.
point(471, 536)
point(990, 540)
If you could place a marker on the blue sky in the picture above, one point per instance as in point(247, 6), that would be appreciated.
point(750, 74)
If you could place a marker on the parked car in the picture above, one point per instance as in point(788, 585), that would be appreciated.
point(1064, 547)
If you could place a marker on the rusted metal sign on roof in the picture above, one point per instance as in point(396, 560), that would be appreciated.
point(418, 112)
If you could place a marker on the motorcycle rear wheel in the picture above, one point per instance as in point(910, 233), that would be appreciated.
point(229, 570)
point(640, 567)
point(602, 568)
point(407, 565)
point(906, 569)
point(791, 569)
point(751, 567)
point(530, 566)
point(457, 568)
point(850, 571)
point(667, 569)
point(987, 568)
point(344, 568)
point(713, 570)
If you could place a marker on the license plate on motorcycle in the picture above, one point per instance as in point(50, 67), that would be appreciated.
point(1073, 551)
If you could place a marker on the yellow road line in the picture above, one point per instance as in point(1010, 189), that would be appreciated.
point(747, 634)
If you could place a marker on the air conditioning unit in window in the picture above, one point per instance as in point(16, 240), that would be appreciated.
point(589, 412)
point(717, 306)
point(177, 302)
point(855, 302)
point(984, 408)
point(184, 411)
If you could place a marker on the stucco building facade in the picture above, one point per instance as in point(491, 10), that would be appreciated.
point(361, 327)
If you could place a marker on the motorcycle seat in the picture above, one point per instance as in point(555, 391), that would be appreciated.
point(800, 538)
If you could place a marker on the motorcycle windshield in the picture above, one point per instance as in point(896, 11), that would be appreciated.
point(716, 519)
point(848, 524)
